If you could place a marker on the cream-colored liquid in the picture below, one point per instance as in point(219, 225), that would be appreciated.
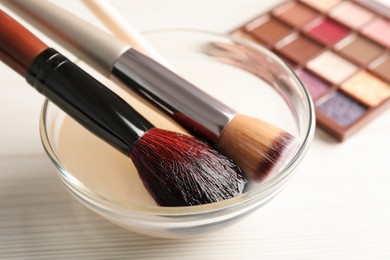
point(100, 167)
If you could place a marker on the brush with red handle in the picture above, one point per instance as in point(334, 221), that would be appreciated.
point(177, 170)
point(258, 147)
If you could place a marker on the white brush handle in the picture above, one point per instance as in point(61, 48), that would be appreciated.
point(105, 49)
point(120, 27)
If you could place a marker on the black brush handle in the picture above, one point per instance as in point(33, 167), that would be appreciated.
point(86, 100)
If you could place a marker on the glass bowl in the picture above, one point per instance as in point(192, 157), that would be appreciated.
point(242, 74)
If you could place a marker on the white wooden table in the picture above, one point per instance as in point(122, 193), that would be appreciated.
point(336, 207)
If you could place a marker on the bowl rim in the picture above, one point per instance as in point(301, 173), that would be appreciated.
point(248, 199)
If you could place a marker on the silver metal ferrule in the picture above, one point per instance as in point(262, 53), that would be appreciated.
point(191, 107)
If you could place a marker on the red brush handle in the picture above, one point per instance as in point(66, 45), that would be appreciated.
point(18, 46)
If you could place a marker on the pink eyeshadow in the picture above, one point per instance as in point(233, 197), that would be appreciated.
point(316, 87)
point(327, 31)
point(378, 30)
point(351, 14)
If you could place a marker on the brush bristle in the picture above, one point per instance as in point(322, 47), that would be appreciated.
point(258, 147)
point(179, 170)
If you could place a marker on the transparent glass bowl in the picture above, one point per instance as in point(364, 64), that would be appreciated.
point(242, 74)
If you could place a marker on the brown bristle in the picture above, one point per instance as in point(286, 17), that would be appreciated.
point(256, 146)
point(276, 152)
point(179, 170)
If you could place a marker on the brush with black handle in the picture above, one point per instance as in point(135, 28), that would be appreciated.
point(258, 147)
point(177, 170)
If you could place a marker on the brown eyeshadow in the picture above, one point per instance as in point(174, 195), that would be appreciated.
point(295, 14)
point(268, 30)
point(360, 50)
point(299, 48)
point(382, 69)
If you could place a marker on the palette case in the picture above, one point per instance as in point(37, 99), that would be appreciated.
point(341, 52)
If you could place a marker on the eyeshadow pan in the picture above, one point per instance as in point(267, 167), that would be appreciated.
point(322, 5)
point(332, 67)
point(298, 48)
point(378, 30)
point(267, 30)
point(295, 14)
point(351, 14)
point(367, 88)
point(359, 49)
point(382, 67)
point(341, 109)
point(316, 87)
point(326, 30)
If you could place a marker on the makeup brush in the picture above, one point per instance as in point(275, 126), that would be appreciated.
point(255, 145)
point(177, 170)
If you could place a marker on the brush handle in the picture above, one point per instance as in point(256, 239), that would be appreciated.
point(21, 49)
point(121, 28)
point(100, 49)
point(73, 90)
point(191, 107)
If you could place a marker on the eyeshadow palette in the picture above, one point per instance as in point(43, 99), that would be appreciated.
point(339, 49)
